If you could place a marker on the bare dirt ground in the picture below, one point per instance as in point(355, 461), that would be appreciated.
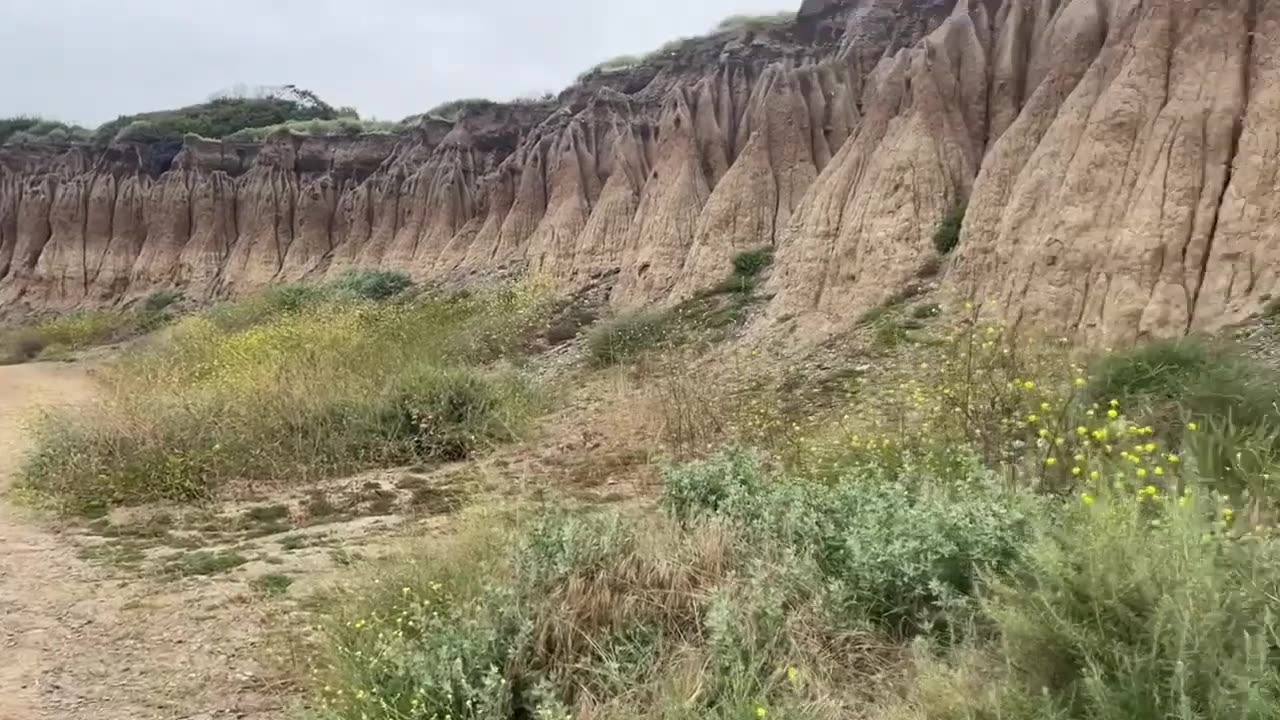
point(87, 640)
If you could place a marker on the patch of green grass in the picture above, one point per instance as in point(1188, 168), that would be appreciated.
point(267, 514)
point(274, 584)
point(204, 562)
point(289, 387)
point(126, 553)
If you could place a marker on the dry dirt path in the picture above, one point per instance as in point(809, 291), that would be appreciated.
point(81, 640)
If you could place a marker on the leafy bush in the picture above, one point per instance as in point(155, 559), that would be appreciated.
point(372, 284)
point(1188, 378)
point(81, 329)
point(217, 118)
point(18, 345)
point(454, 109)
point(892, 539)
point(316, 386)
point(947, 236)
point(750, 263)
point(22, 130)
point(626, 337)
point(1118, 617)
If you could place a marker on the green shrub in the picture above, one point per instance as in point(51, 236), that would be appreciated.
point(1187, 379)
point(755, 22)
point(217, 118)
point(22, 130)
point(750, 263)
point(18, 345)
point(454, 109)
point(626, 337)
point(81, 329)
point(1118, 617)
point(947, 236)
point(893, 539)
point(372, 284)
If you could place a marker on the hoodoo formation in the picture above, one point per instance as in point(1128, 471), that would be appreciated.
point(1119, 160)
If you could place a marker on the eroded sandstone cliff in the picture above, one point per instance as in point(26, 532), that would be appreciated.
point(1119, 159)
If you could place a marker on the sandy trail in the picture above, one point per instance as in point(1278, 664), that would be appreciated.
point(79, 641)
point(38, 607)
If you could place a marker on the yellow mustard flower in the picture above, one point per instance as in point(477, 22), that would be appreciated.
point(1093, 475)
point(1087, 498)
point(1051, 461)
point(760, 711)
point(1076, 471)
point(1029, 385)
point(1193, 426)
point(1113, 414)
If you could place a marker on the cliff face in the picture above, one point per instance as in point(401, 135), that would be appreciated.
point(1119, 159)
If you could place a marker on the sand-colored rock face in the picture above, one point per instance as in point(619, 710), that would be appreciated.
point(1119, 160)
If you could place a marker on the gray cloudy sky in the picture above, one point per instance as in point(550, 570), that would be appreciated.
point(87, 61)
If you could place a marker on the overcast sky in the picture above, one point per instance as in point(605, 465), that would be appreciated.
point(87, 61)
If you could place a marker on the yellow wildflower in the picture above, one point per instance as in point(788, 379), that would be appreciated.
point(1087, 498)
point(1029, 385)
point(793, 676)
point(1093, 475)
point(1082, 431)
point(760, 711)
point(1193, 426)
point(1044, 406)
point(1115, 403)
point(1113, 414)
point(1159, 470)
point(1076, 471)
point(1051, 461)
